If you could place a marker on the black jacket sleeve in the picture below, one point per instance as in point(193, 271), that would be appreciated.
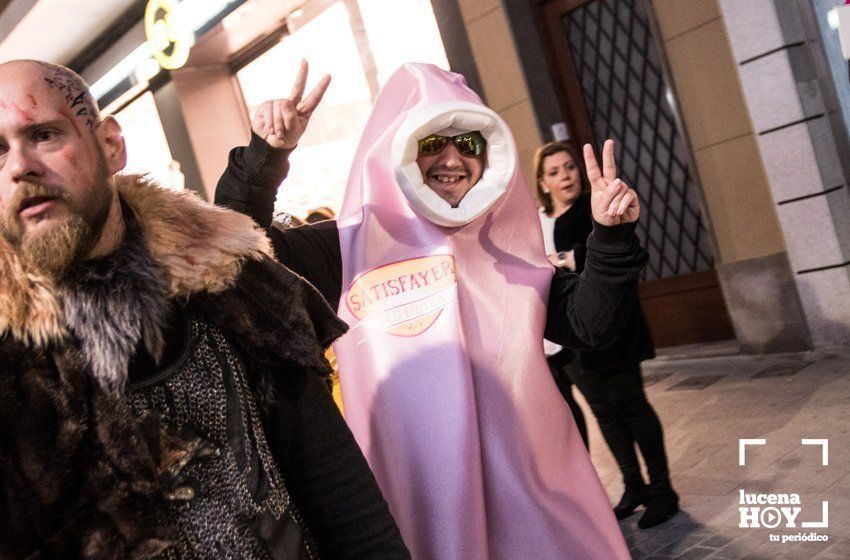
point(328, 477)
point(312, 251)
point(249, 185)
point(588, 311)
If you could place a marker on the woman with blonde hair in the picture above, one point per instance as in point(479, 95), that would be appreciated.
point(610, 380)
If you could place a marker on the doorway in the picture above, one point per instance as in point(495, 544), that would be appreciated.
point(610, 80)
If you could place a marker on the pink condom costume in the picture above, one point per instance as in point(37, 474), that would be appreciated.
point(444, 382)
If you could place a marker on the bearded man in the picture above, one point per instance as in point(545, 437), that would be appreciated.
point(150, 404)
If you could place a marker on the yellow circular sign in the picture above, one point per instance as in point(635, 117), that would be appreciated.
point(169, 39)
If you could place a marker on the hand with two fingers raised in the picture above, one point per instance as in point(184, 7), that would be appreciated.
point(282, 122)
point(612, 202)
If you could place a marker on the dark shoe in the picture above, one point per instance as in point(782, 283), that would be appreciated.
point(632, 498)
point(661, 507)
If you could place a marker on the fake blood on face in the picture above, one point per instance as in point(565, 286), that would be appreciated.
point(73, 121)
point(23, 114)
point(67, 154)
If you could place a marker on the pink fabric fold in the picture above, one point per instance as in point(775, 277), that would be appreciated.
point(443, 376)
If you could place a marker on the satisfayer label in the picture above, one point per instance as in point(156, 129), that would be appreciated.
point(406, 297)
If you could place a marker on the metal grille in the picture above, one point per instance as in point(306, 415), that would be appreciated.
point(628, 100)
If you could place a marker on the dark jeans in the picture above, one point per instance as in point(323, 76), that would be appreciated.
point(559, 365)
point(626, 418)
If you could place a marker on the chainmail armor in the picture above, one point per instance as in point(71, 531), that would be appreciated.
point(206, 391)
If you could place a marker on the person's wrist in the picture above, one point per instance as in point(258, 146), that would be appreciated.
point(562, 259)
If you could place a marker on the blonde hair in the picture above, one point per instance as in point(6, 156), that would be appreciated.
point(540, 156)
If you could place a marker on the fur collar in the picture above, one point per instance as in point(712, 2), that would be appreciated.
point(199, 246)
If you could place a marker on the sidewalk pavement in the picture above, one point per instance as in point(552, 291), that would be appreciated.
point(709, 396)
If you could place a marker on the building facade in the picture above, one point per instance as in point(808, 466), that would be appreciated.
point(749, 194)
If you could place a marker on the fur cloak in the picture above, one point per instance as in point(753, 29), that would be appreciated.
point(79, 473)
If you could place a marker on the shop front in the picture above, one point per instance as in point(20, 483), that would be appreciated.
point(185, 82)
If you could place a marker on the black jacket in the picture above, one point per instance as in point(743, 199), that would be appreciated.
point(634, 343)
point(580, 314)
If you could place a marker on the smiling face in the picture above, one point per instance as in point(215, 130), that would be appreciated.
point(56, 158)
point(561, 177)
point(450, 174)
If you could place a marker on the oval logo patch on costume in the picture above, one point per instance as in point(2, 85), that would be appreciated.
point(406, 297)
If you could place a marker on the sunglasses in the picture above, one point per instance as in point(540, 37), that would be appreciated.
point(469, 144)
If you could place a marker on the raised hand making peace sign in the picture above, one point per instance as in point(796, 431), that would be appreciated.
point(611, 200)
point(281, 122)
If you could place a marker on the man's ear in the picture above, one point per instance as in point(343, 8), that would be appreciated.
point(112, 141)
